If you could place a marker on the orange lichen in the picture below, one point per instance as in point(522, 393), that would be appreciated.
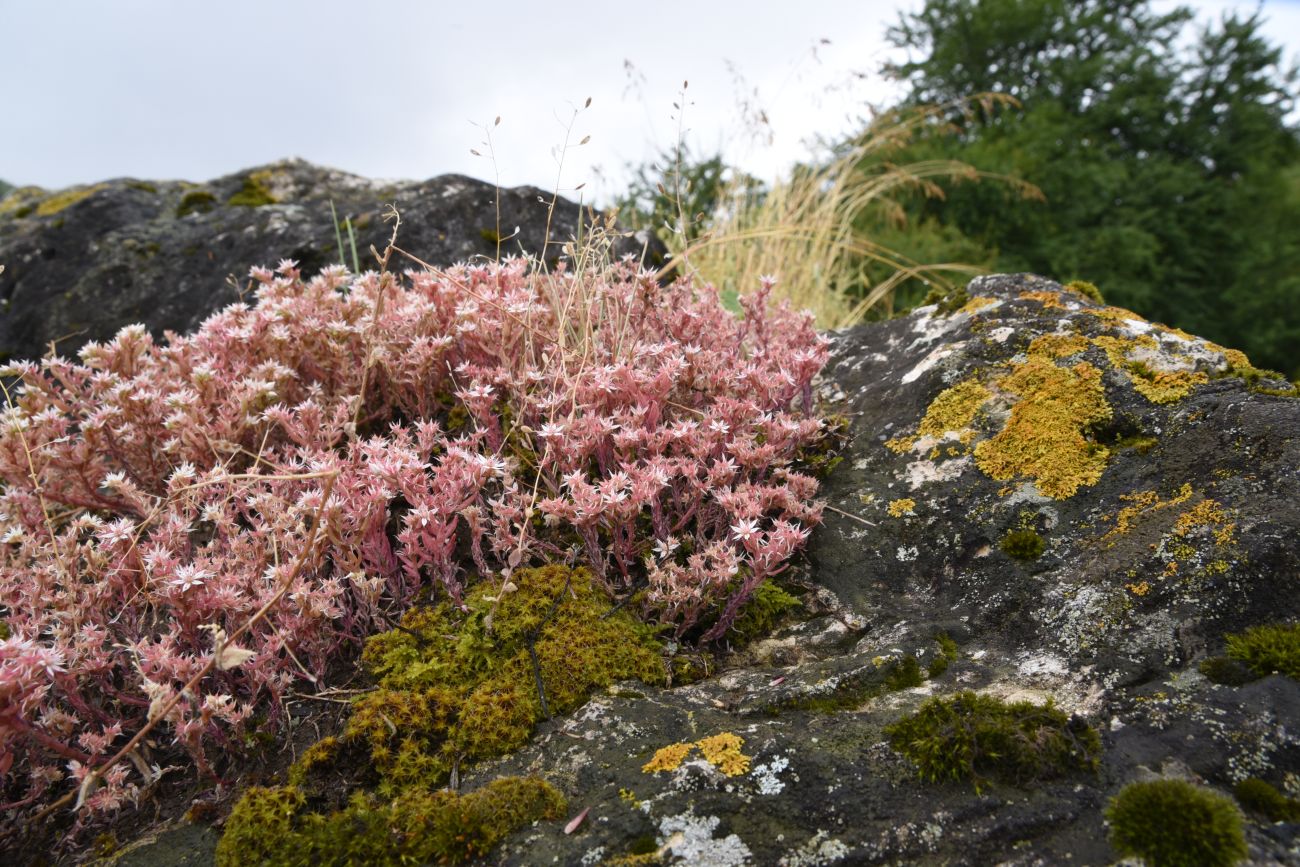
point(954, 408)
point(901, 445)
point(1047, 299)
point(1044, 437)
point(899, 508)
point(1058, 345)
point(978, 303)
point(668, 758)
point(1207, 513)
point(1116, 315)
point(1142, 503)
point(721, 750)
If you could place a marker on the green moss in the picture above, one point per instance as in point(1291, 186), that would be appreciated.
point(196, 202)
point(1260, 798)
point(142, 186)
point(1268, 649)
point(476, 696)
point(21, 202)
point(1086, 289)
point(492, 236)
point(255, 192)
point(319, 755)
point(822, 456)
point(273, 826)
point(689, 667)
point(947, 655)
point(1023, 545)
point(455, 686)
point(52, 205)
point(1137, 442)
point(949, 300)
point(1172, 823)
point(1225, 671)
point(904, 674)
point(978, 737)
point(764, 610)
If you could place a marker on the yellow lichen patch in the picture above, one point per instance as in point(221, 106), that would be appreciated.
point(951, 411)
point(1047, 299)
point(1044, 437)
point(1157, 386)
point(668, 758)
point(1207, 513)
point(899, 508)
point(1178, 332)
point(978, 303)
point(66, 199)
point(1140, 503)
point(1056, 346)
point(1165, 386)
point(901, 445)
point(954, 408)
point(1235, 357)
point(723, 752)
point(1142, 588)
point(1116, 315)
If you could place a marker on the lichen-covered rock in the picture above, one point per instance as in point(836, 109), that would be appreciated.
point(1041, 500)
point(1087, 503)
point(83, 262)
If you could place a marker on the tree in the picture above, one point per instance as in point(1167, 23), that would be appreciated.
point(1170, 176)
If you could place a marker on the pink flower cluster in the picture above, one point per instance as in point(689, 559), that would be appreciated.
point(472, 421)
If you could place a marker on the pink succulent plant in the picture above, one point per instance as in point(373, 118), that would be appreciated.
point(155, 496)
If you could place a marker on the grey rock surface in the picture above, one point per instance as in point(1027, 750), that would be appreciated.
point(1160, 476)
point(1187, 532)
point(82, 263)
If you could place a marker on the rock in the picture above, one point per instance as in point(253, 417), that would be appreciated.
point(82, 263)
point(1085, 503)
point(1162, 477)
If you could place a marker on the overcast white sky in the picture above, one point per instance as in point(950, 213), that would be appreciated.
point(392, 88)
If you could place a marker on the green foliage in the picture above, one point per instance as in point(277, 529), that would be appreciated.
point(764, 610)
point(455, 686)
point(1152, 158)
point(442, 701)
point(1268, 649)
point(196, 202)
point(5, 187)
point(254, 193)
point(1227, 672)
point(273, 826)
point(1172, 823)
point(946, 656)
point(352, 239)
point(1023, 545)
point(1259, 797)
point(1086, 289)
point(905, 674)
point(979, 737)
point(949, 301)
point(678, 193)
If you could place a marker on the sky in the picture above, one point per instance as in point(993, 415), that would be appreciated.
point(402, 89)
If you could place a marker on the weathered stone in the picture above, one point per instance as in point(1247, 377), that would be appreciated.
point(1160, 473)
point(1210, 479)
point(82, 263)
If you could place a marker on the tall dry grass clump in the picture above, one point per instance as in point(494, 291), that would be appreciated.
point(812, 228)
